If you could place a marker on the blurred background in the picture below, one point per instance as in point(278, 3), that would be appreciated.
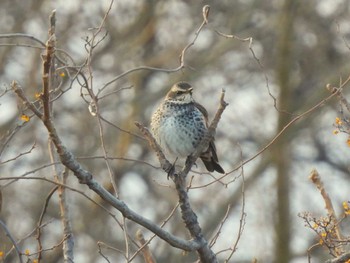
point(298, 47)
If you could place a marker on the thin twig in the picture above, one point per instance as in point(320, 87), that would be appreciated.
point(19, 155)
point(146, 252)
point(8, 234)
point(121, 129)
point(218, 232)
point(152, 237)
point(182, 65)
point(243, 215)
point(50, 248)
point(60, 185)
point(341, 259)
point(113, 92)
point(340, 95)
point(309, 251)
point(16, 178)
point(9, 136)
point(68, 159)
point(94, 105)
point(41, 217)
point(20, 93)
point(21, 35)
point(275, 138)
point(205, 12)
point(20, 45)
point(100, 244)
point(261, 66)
point(30, 234)
point(126, 239)
point(316, 180)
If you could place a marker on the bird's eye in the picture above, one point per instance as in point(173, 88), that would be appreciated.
point(179, 92)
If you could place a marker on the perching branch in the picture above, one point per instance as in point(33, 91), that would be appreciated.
point(179, 177)
point(164, 163)
point(190, 218)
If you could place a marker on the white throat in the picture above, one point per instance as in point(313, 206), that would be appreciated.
point(182, 99)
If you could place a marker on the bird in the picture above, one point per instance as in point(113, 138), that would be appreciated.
point(179, 124)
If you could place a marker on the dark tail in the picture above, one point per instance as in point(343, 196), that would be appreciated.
point(212, 166)
point(210, 159)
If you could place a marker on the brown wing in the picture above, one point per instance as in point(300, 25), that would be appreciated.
point(209, 157)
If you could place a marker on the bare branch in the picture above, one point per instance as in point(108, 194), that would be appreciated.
point(340, 95)
point(316, 179)
point(121, 129)
point(164, 163)
point(205, 12)
point(179, 177)
point(261, 66)
point(150, 239)
point(21, 35)
point(43, 212)
point(8, 234)
point(275, 138)
point(146, 252)
point(100, 244)
point(242, 218)
point(60, 185)
point(218, 232)
point(20, 93)
point(48, 70)
point(50, 248)
point(68, 243)
point(341, 259)
point(85, 177)
point(19, 155)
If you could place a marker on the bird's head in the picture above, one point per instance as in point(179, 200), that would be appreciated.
point(180, 92)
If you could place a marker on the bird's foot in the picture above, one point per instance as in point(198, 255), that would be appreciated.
point(171, 170)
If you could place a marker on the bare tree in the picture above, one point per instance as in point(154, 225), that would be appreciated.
point(104, 66)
